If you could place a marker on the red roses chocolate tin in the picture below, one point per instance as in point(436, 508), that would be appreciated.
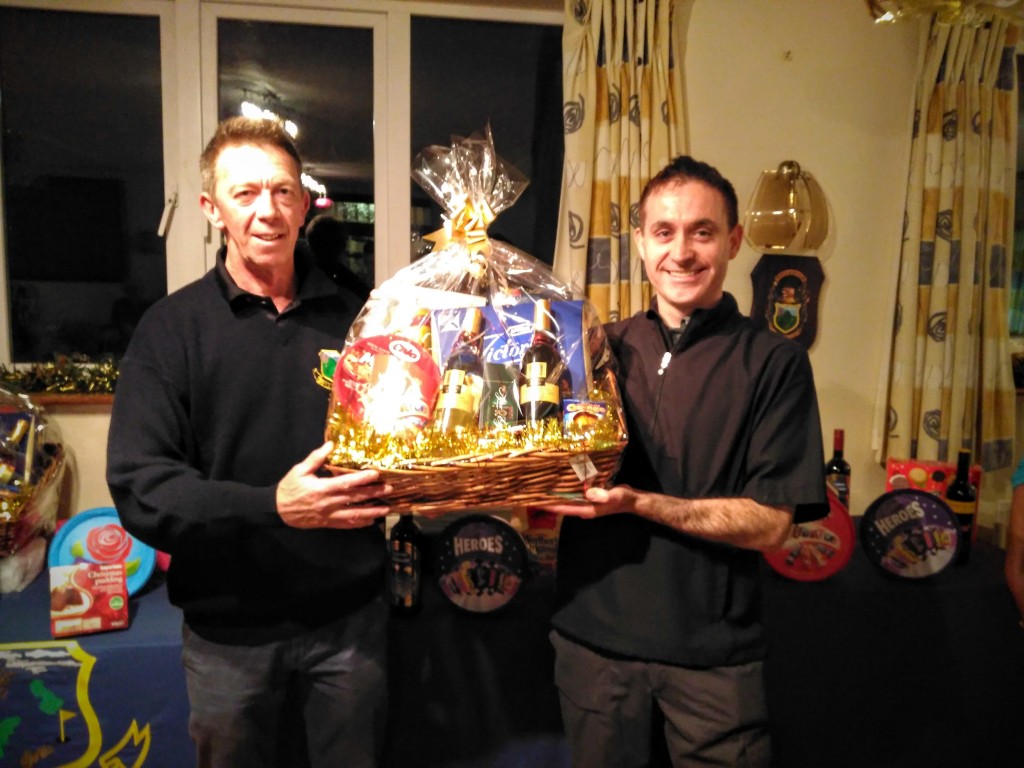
point(96, 536)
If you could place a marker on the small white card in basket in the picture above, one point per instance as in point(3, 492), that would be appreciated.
point(583, 466)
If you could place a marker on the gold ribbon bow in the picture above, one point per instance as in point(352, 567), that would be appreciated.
point(468, 226)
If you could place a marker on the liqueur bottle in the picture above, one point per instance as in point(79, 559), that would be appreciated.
point(541, 370)
point(10, 446)
point(419, 329)
point(500, 409)
point(961, 497)
point(405, 557)
point(458, 404)
point(9, 479)
point(837, 470)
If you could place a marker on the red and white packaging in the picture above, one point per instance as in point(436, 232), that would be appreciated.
point(930, 476)
point(87, 598)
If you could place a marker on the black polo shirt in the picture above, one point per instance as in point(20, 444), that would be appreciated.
point(731, 412)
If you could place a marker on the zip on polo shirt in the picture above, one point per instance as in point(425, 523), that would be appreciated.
point(673, 338)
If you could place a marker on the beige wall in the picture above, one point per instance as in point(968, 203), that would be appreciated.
point(811, 80)
point(84, 431)
point(818, 82)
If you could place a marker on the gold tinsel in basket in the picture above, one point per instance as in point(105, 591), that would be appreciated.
point(437, 473)
point(356, 446)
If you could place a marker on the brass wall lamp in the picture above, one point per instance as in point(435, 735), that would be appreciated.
point(788, 212)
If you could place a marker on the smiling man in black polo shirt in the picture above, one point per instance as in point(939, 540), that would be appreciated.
point(658, 602)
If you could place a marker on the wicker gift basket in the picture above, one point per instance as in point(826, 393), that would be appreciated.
point(482, 482)
point(31, 466)
point(474, 378)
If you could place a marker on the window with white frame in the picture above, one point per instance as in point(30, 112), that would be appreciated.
point(82, 179)
point(108, 220)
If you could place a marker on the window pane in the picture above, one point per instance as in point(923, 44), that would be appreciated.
point(83, 178)
point(468, 74)
point(1017, 264)
point(320, 78)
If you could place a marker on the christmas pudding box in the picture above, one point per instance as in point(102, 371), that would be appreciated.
point(87, 598)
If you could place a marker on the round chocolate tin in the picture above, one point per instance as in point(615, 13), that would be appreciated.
point(910, 533)
point(481, 562)
point(96, 536)
point(817, 549)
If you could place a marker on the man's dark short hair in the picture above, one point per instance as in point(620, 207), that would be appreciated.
point(239, 131)
point(684, 168)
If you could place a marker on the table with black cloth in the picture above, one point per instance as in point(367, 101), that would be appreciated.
point(864, 670)
point(470, 689)
point(868, 670)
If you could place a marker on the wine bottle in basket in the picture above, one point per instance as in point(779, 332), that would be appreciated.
point(458, 403)
point(541, 370)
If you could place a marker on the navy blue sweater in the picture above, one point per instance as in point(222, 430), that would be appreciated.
point(215, 402)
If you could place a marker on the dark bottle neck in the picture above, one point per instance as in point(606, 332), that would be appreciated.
point(542, 336)
point(468, 341)
point(963, 465)
point(837, 443)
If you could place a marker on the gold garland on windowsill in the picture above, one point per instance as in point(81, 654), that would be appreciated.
point(66, 376)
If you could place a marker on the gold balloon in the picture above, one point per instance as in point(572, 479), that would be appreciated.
point(972, 13)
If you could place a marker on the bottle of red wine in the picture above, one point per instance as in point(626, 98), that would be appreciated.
point(541, 370)
point(837, 470)
point(458, 403)
point(961, 497)
point(405, 577)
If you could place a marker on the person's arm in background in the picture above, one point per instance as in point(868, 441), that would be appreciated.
point(1015, 542)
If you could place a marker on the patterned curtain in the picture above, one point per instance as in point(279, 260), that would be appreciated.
point(950, 383)
point(623, 121)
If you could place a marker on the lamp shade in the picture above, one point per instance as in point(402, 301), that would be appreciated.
point(787, 212)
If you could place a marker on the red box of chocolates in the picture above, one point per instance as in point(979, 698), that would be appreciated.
point(930, 476)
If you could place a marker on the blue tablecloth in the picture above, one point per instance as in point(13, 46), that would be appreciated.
point(111, 694)
point(466, 690)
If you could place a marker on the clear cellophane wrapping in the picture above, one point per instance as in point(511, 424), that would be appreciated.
point(31, 465)
point(381, 412)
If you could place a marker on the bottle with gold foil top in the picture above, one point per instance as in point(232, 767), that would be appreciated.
point(458, 403)
point(542, 370)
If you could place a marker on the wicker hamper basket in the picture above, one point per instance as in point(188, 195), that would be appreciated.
point(488, 482)
point(38, 513)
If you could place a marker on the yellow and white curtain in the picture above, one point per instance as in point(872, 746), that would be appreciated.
point(623, 122)
point(951, 384)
